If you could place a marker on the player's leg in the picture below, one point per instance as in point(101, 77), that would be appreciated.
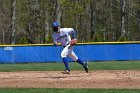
point(72, 55)
point(64, 54)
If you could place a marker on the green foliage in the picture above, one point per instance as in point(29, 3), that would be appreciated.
point(122, 38)
point(49, 39)
point(71, 10)
point(23, 40)
point(74, 7)
point(97, 38)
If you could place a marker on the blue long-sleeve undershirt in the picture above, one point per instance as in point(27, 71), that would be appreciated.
point(74, 34)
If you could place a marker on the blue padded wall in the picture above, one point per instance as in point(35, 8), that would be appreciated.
point(87, 52)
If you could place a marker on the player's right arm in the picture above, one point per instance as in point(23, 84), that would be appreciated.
point(54, 39)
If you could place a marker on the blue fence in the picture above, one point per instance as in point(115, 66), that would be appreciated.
point(87, 52)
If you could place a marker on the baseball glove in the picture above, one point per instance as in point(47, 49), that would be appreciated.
point(73, 42)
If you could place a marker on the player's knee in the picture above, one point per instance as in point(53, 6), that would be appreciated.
point(75, 59)
point(63, 55)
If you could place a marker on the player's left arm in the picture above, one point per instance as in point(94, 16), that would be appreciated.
point(74, 36)
point(72, 32)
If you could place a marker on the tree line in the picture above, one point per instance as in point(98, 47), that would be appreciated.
point(30, 21)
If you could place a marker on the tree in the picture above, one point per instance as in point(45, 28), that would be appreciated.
point(93, 19)
point(30, 21)
point(5, 22)
point(138, 16)
point(58, 11)
point(13, 24)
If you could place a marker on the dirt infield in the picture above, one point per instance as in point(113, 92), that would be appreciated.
point(77, 79)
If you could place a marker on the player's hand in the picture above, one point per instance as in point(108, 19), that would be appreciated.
point(54, 44)
point(73, 42)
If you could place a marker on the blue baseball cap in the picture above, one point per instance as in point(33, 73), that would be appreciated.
point(55, 23)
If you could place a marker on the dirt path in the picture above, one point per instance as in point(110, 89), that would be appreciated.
point(77, 79)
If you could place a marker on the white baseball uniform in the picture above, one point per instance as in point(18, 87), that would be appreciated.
point(64, 38)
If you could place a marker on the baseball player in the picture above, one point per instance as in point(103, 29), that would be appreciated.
point(63, 36)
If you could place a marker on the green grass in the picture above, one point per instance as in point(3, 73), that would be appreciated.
point(110, 65)
point(117, 65)
point(55, 90)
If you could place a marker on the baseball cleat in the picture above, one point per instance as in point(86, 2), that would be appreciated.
point(66, 72)
point(86, 67)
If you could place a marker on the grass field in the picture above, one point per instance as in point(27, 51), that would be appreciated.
point(54, 90)
point(111, 65)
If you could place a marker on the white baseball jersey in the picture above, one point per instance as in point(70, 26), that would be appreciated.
point(63, 37)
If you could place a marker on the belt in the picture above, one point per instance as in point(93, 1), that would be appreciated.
point(66, 45)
